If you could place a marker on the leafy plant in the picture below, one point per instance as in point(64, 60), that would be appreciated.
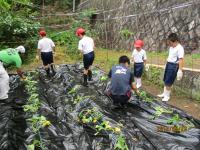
point(35, 144)
point(80, 99)
point(74, 89)
point(160, 111)
point(103, 78)
point(145, 97)
point(180, 123)
point(90, 115)
point(121, 143)
point(125, 33)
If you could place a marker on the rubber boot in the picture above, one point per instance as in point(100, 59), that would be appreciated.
point(89, 75)
point(85, 80)
point(53, 70)
point(48, 71)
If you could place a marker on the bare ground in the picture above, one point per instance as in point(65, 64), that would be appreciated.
point(192, 107)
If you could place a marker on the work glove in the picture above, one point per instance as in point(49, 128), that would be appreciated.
point(147, 67)
point(179, 75)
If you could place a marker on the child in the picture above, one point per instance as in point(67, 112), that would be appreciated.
point(46, 48)
point(139, 59)
point(86, 46)
point(122, 82)
point(174, 66)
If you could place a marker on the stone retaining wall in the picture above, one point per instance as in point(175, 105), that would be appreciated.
point(150, 20)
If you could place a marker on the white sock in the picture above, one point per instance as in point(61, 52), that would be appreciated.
point(139, 84)
point(167, 93)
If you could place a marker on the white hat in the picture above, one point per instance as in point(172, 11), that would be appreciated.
point(20, 49)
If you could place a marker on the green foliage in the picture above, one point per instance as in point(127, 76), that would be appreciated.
point(121, 143)
point(70, 39)
point(160, 111)
point(35, 144)
point(125, 33)
point(6, 5)
point(103, 78)
point(17, 27)
point(180, 122)
point(145, 97)
point(38, 122)
point(90, 115)
point(74, 89)
point(87, 13)
point(79, 99)
point(155, 75)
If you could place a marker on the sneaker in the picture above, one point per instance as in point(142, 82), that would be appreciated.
point(165, 99)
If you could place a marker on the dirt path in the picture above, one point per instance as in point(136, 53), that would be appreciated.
point(188, 105)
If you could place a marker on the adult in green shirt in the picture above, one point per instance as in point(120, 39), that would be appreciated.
point(9, 57)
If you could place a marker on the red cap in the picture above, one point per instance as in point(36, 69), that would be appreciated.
point(139, 43)
point(42, 33)
point(80, 31)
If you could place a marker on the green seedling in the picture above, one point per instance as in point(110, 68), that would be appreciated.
point(80, 99)
point(90, 116)
point(74, 89)
point(95, 72)
point(144, 96)
point(34, 107)
point(180, 123)
point(121, 143)
point(160, 111)
point(103, 78)
point(38, 122)
point(35, 144)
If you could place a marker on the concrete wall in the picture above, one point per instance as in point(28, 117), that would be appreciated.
point(150, 20)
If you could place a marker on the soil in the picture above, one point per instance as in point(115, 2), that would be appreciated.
point(191, 106)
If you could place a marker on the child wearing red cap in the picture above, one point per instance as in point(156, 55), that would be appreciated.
point(86, 46)
point(139, 59)
point(46, 47)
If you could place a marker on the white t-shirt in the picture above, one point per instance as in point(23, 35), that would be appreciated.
point(139, 56)
point(46, 45)
point(86, 45)
point(175, 53)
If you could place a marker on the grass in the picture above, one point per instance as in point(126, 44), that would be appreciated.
point(105, 59)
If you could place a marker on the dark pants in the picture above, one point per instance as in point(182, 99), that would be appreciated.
point(120, 99)
point(47, 58)
point(138, 69)
point(170, 73)
point(88, 59)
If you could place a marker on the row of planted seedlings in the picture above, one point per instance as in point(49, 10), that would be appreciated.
point(35, 121)
point(93, 118)
point(174, 122)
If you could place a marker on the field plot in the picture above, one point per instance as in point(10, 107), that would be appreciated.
point(58, 113)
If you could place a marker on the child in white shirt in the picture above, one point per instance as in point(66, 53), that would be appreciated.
point(174, 66)
point(139, 59)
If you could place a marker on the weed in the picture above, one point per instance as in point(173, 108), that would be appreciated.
point(121, 143)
